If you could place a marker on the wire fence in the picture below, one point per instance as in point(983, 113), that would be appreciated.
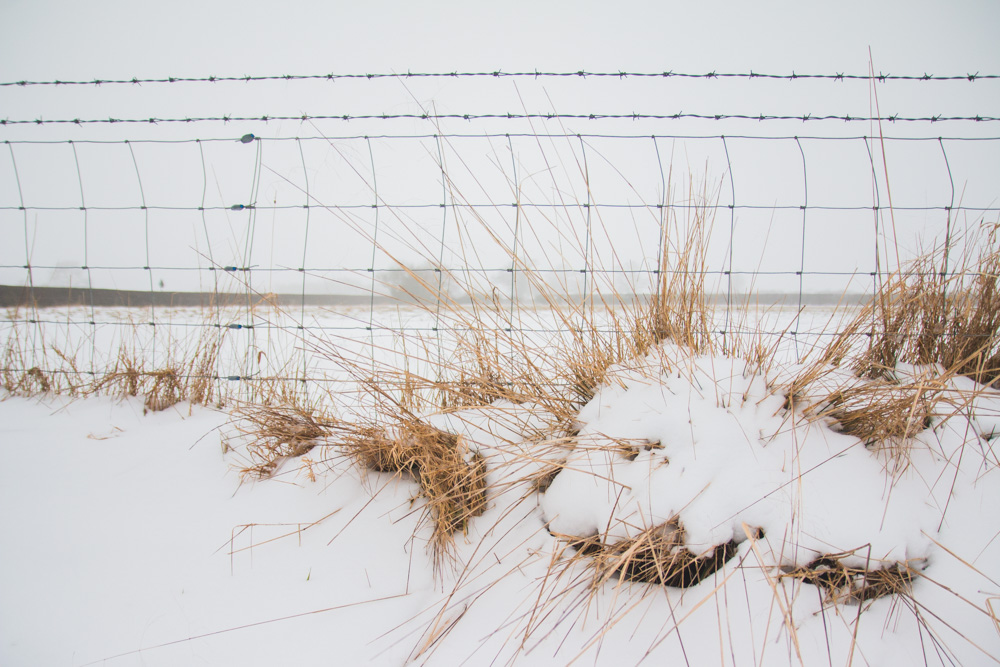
point(536, 74)
point(288, 231)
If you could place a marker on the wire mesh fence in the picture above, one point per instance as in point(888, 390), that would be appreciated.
point(289, 241)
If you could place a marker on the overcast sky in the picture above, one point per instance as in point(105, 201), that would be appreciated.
point(101, 38)
point(44, 40)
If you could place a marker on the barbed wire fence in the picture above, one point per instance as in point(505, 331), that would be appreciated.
point(163, 235)
point(881, 77)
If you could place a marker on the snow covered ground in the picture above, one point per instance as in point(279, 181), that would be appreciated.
point(130, 539)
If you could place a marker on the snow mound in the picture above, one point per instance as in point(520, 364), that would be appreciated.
point(712, 445)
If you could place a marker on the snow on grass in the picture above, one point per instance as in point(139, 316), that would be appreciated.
point(128, 539)
point(727, 454)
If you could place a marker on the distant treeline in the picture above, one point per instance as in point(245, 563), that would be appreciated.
point(20, 296)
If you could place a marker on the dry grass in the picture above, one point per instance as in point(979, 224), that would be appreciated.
point(679, 310)
point(451, 477)
point(374, 450)
point(492, 363)
point(924, 315)
point(185, 377)
point(845, 584)
point(187, 372)
point(882, 413)
point(21, 375)
point(275, 433)
point(922, 328)
point(657, 555)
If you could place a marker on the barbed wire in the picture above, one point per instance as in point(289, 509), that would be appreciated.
point(500, 74)
point(680, 115)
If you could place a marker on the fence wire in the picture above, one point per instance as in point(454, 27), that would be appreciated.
point(508, 116)
point(499, 74)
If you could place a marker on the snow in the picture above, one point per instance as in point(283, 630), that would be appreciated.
point(130, 539)
point(730, 457)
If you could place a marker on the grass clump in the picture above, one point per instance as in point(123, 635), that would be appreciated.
point(44, 367)
point(679, 310)
point(889, 372)
point(450, 475)
point(27, 383)
point(658, 555)
point(25, 372)
point(276, 433)
point(184, 377)
point(846, 584)
point(928, 315)
point(374, 450)
point(883, 413)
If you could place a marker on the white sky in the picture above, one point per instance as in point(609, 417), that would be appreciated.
point(45, 39)
point(42, 40)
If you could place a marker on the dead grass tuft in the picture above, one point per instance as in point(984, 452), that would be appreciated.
point(845, 584)
point(375, 450)
point(124, 378)
point(927, 316)
point(451, 476)
point(276, 433)
point(42, 366)
point(679, 310)
point(657, 555)
point(883, 414)
point(483, 376)
point(165, 390)
point(924, 326)
point(34, 380)
point(543, 478)
point(190, 378)
point(20, 375)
